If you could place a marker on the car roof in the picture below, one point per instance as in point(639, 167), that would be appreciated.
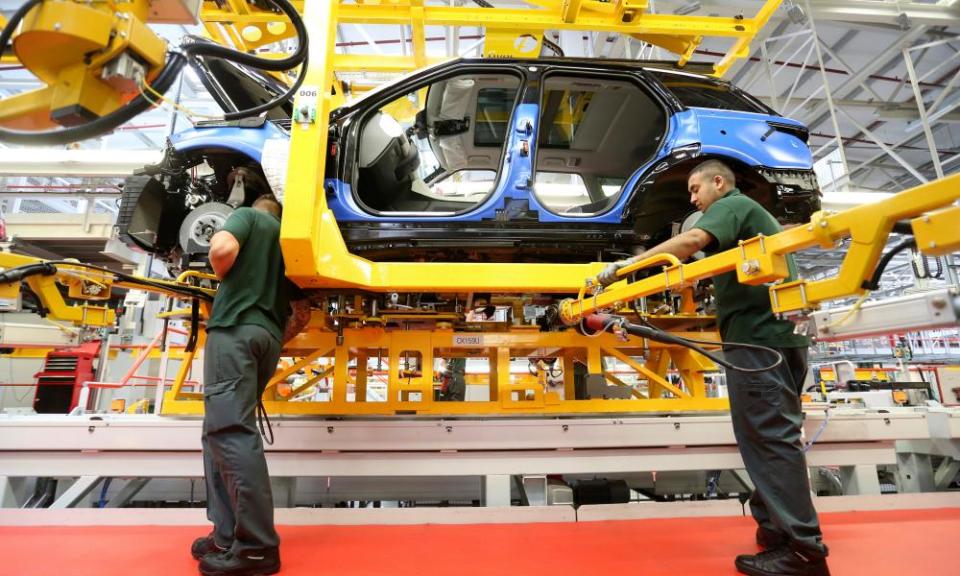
point(695, 69)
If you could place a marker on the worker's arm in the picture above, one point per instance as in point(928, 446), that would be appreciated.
point(682, 246)
point(224, 248)
point(297, 320)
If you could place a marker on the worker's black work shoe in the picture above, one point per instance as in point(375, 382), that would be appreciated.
point(781, 562)
point(247, 563)
point(770, 539)
point(205, 545)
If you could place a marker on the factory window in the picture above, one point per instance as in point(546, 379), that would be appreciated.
point(437, 150)
point(594, 134)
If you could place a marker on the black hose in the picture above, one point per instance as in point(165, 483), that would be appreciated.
point(278, 101)
point(194, 326)
point(299, 57)
point(163, 82)
point(20, 272)
point(102, 124)
point(261, 417)
point(604, 322)
point(903, 227)
point(187, 291)
point(939, 273)
point(874, 282)
point(14, 21)
point(925, 264)
point(275, 65)
point(553, 46)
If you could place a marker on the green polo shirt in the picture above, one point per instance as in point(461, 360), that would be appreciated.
point(743, 311)
point(256, 289)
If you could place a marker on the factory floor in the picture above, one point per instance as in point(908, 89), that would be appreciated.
point(876, 543)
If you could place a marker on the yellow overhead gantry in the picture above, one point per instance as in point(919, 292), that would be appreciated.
point(513, 31)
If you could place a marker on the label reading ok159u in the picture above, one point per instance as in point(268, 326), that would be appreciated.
point(467, 340)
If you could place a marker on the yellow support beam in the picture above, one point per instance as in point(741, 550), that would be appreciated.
point(741, 48)
point(419, 37)
point(650, 375)
point(539, 20)
point(569, 10)
point(679, 34)
point(409, 386)
point(381, 63)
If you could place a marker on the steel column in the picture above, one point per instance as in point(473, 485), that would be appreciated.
point(921, 107)
point(76, 492)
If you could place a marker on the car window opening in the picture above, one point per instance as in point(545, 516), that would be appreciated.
point(436, 151)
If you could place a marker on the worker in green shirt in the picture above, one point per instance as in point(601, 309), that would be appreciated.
point(250, 320)
point(764, 406)
point(455, 383)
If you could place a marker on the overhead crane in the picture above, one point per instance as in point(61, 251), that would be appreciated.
point(338, 344)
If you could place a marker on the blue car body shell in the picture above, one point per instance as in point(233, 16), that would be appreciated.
point(746, 137)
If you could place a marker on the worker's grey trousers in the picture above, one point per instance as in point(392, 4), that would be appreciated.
point(237, 364)
point(767, 420)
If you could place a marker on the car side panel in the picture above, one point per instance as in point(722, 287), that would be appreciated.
point(507, 200)
point(247, 141)
point(747, 137)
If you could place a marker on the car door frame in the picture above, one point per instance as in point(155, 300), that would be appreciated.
point(349, 127)
point(636, 75)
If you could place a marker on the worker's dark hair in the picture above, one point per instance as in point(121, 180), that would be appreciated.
point(712, 168)
point(269, 203)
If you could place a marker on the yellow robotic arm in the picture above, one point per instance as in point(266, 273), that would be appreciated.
point(97, 58)
point(92, 56)
point(930, 208)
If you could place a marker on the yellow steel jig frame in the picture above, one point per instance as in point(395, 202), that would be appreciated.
point(336, 359)
point(339, 381)
point(317, 257)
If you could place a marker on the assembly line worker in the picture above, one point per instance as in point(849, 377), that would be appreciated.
point(764, 406)
point(455, 378)
point(249, 321)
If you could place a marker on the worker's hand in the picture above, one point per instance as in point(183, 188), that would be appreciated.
point(609, 274)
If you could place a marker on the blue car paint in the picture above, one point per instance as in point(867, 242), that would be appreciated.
point(747, 137)
point(247, 141)
point(744, 136)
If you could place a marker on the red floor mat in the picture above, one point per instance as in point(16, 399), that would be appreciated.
point(876, 543)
